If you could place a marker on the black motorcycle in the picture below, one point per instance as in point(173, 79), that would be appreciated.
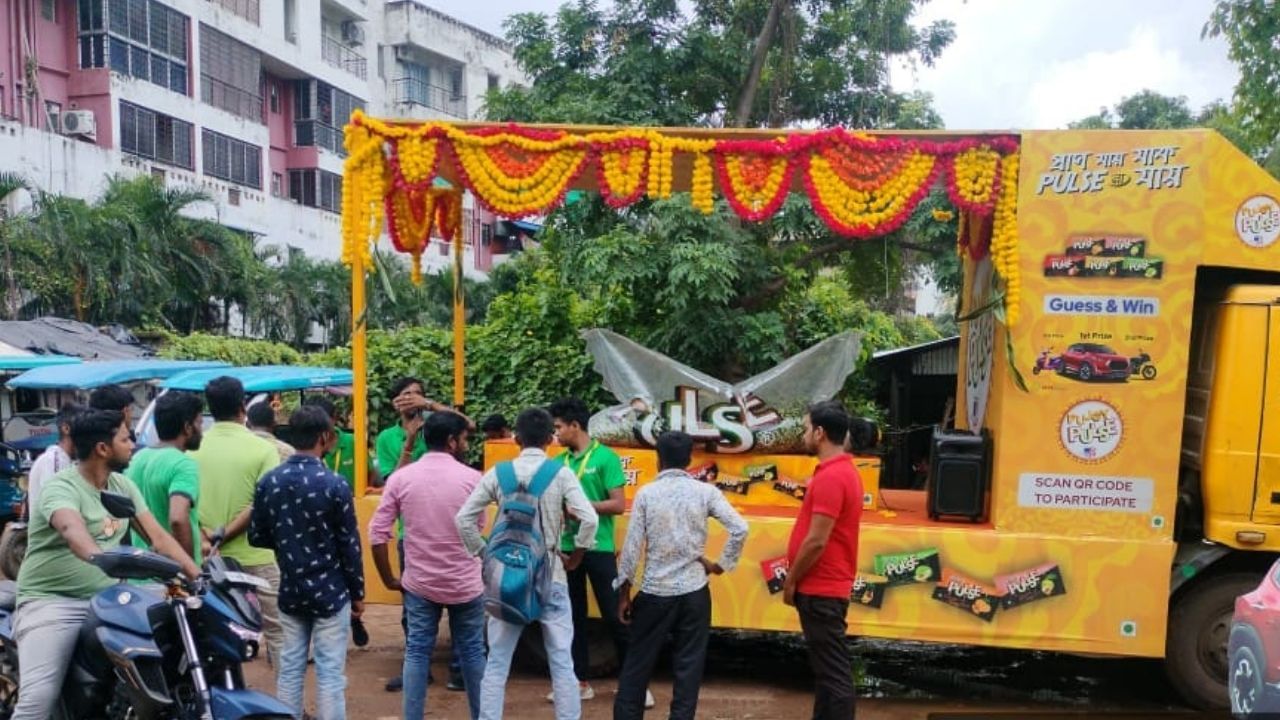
point(1141, 365)
point(170, 652)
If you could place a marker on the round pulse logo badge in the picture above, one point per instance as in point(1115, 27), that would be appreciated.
point(1091, 431)
point(1258, 221)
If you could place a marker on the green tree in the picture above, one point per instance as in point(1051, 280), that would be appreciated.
point(1145, 110)
point(716, 62)
point(1149, 110)
point(1250, 28)
point(12, 227)
point(709, 290)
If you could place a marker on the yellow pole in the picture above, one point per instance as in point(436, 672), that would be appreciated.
point(459, 318)
point(359, 368)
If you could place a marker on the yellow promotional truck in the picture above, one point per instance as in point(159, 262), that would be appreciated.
point(1084, 502)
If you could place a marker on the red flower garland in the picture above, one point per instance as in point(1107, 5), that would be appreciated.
point(626, 148)
point(754, 152)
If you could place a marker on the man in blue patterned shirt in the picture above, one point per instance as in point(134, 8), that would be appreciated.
point(305, 513)
point(669, 524)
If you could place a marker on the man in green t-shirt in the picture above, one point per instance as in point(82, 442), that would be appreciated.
point(69, 526)
point(342, 458)
point(167, 477)
point(599, 470)
point(402, 443)
point(231, 461)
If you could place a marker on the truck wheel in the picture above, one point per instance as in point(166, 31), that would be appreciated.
point(1196, 645)
point(13, 548)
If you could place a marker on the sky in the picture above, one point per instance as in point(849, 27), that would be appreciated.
point(1029, 64)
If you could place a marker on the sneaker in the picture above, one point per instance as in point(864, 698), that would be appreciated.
point(587, 692)
point(455, 683)
point(395, 684)
point(648, 699)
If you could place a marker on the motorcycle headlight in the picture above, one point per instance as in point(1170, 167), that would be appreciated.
point(251, 639)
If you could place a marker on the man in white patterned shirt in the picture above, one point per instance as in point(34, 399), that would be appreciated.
point(669, 523)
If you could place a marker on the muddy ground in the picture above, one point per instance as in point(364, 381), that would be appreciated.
point(760, 677)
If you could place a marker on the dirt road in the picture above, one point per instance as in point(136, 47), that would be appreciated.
point(761, 678)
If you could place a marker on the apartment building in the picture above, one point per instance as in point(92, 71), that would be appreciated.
point(245, 99)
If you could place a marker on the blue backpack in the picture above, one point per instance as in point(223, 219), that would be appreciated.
point(517, 569)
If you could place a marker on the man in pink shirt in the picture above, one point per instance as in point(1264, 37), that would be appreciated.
point(439, 573)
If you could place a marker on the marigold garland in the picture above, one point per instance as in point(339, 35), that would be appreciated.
point(755, 183)
point(973, 179)
point(415, 159)
point(1004, 238)
point(849, 210)
point(860, 185)
point(363, 189)
point(518, 176)
point(622, 172)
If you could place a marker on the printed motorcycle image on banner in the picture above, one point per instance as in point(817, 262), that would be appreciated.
point(1095, 362)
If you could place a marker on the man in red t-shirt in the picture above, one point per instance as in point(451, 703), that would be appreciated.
point(823, 559)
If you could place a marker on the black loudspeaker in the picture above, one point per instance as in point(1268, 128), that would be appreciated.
point(959, 475)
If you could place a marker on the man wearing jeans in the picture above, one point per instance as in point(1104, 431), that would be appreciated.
point(669, 524)
point(599, 471)
point(304, 512)
point(231, 462)
point(823, 559)
point(69, 525)
point(533, 433)
point(438, 573)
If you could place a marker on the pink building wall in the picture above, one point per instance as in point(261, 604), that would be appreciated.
point(9, 58)
point(24, 28)
point(279, 128)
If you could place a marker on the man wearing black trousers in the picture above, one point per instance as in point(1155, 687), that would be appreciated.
point(599, 472)
point(669, 528)
point(822, 556)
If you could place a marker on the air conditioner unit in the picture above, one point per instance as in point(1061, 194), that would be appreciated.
point(352, 33)
point(81, 123)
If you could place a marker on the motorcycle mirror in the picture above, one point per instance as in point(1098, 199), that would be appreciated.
point(120, 506)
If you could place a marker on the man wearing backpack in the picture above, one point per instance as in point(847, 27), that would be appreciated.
point(524, 574)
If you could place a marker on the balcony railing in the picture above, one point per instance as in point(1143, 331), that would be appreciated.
point(234, 100)
point(417, 92)
point(335, 53)
point(308, 133)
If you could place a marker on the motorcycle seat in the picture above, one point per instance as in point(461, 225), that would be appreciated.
point(8, 595)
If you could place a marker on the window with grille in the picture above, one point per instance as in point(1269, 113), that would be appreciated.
point(145, 39)
point(155, 136)
point(316, 188)
point(248, 9)
point(320, 111)
point(227, 158)
point(230, 74)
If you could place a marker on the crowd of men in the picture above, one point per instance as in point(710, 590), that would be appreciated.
point(285, 512)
